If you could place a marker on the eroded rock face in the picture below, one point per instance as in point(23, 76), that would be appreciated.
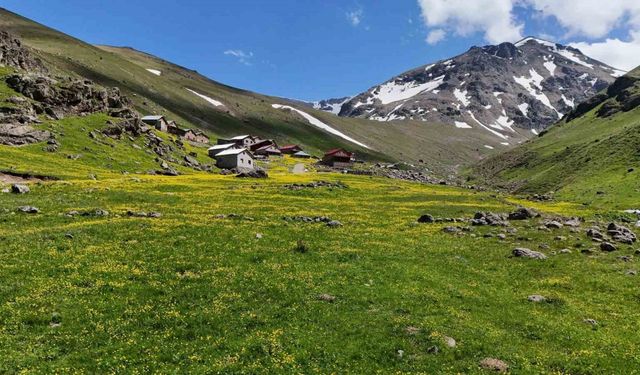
point(14, 54)
point(20, 134)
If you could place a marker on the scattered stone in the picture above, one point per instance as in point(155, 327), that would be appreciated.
point(626, 258)
point(573, 222)
point(489, 218)
point(560, 238)
point(595, 233)
point(449, 341)
point(621, 234)
point(326, 297)
point(69, 236)
point(502, 236)
point(565, 251)
point(553, 224)
point(308, 219)
point(433, 349)
point(536, 298)
point(631, 273)
point(258, 236)
point(593, 322)
point(28, 209)
point(494, 364)
point(256, 173)
point(523, 213)
point(588, 251)
point(143, 214)
point(315, 185)
point(400, 353)
point(522, 252)
point(607, 246)
point(334, 224)
point(20, 189)
point(426, 218)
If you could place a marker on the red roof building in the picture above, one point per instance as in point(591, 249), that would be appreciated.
point(338, 158)
point(290, 149)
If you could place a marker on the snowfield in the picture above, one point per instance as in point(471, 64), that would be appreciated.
point(212, 101)
point(392, 92)
point(319, 124)
point(154, 71)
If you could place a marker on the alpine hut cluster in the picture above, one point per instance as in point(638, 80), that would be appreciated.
point(160, 123)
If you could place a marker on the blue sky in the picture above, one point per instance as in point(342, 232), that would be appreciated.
point(316, 49)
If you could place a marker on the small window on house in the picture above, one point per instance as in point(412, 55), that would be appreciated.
point(241, 160)
point(249, 161)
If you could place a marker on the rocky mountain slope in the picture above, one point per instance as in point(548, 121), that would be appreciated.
point(591, 156)
point(502, 89)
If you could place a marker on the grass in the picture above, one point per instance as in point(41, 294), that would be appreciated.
point(194, 292)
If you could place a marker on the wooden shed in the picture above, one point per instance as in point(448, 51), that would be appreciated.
point(338, 158)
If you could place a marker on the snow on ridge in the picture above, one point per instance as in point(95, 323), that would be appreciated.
point(534, 86)
point(462, 125)
point(319, 124)
point(154, 71)
point(550, 65)
point(486, 127)
point(524, 108)
point(214, 102)
point(489, 147)
point(537, 40)
point(335, 107)
point(570, 102)
point(462, 97)
point(392, 92)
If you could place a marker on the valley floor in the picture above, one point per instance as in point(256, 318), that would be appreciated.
point(220, 282)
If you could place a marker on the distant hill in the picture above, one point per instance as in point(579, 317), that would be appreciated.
point(592, 157)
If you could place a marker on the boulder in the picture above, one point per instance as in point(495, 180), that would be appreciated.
point(608, 247)
point(522, 252)
point(256, 173)
point(553, 224)
point(493, 364)
point(621, 234)
point(426, 218)
point(19, 189)
point(523, 213)
point(536, 298)
point(28, 209)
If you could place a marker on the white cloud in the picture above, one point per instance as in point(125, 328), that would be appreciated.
point(436, 36)
point(615, 52)
point(493, 18)
point(590, 20)
point(355, 16)
point(243, 57)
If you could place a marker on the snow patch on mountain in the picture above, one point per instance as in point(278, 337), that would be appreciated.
point(392, 92)
point(462, 97)
point(319, 124)
point(214, 102)
point(154, 71)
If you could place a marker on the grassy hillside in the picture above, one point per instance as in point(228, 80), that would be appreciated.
point(194, 291)
point(443, 148)
point(593, 159)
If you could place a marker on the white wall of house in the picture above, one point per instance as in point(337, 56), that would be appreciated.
point(243, 160)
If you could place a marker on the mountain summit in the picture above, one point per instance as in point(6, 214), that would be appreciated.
point(503, 89)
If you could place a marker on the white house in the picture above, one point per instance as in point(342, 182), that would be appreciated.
point(240, 159)
point(216, 149)
point(245, 140)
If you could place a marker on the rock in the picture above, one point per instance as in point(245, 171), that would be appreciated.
point(258, 236)
point(326, 297)
point(565, 251)
point(488, 218)
point(494, 364)
point(522, 252)
point(560, 238)
point(621, 234)
point(451, 229)
point(449, 341)
point(433, 349)
point(553, 224)
point(256, 173)
point(28, 209)
point(626, 258)
point(19, 189)
point(573, 222)
point(607, 246)
point(592, 322)
point(191, 161)
point(426, 218)
point(334, 224)
point(631, 273)
point(536, 298)
point(154, 215)
point(69, 236)
point(400, 353)
point(523, 213)
point(502, 236)
point(595, 233)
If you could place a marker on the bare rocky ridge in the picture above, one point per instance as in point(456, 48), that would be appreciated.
point(510, 90)
point(46, 96)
